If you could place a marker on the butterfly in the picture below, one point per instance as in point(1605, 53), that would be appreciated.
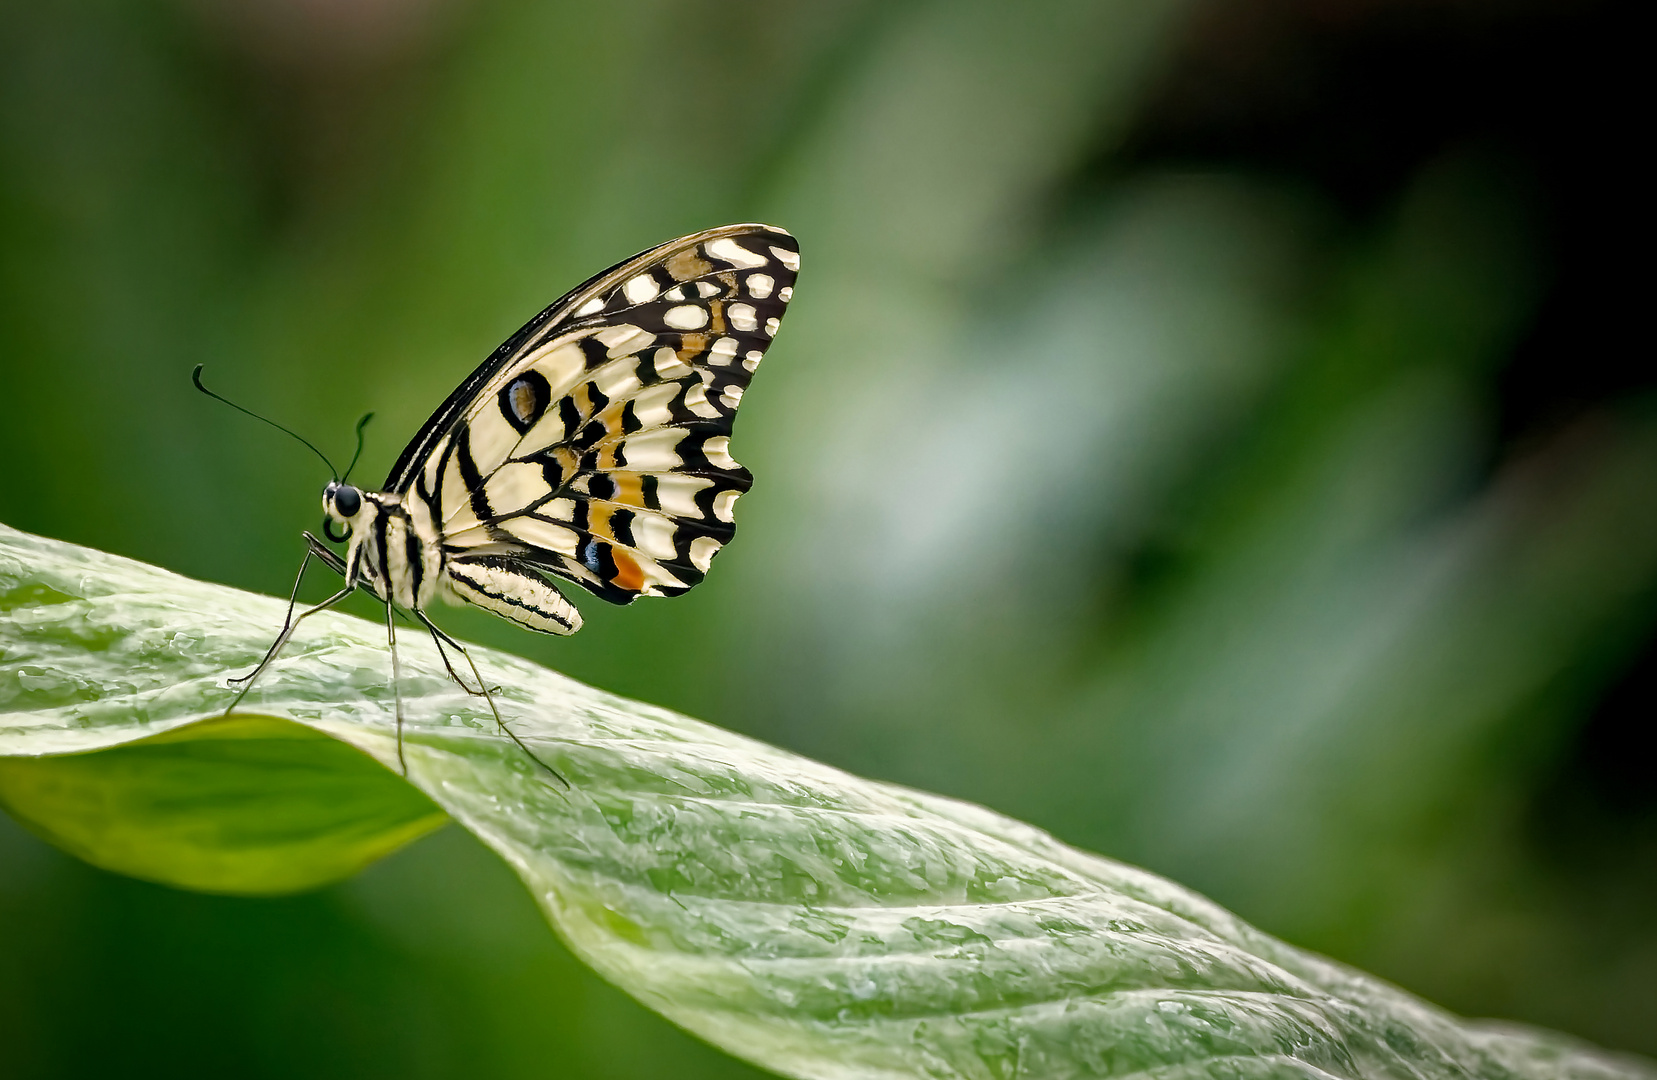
point(592, 446)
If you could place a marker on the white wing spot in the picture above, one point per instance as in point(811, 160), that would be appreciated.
point(676, 294)
point(618, 379)
point(654, 406)
point(760, 285)
point(594, 305)
point(732, 396)
point(724, 504)
point(543, 534)
point(786, 293)
point(723, 352)
point(686, 317)
point(642, 289)
point(771, 325)
point(717, 449)
point(668, 364)
point(696, 400)
point(706, 289)
point(677, 494)
point(732, 252)
point(751, 361)
point(702, 551)
point(790, 259)
point(653, 535)
point(743, 316)
point(624, 339)
point(562, 365)
point(653, 449)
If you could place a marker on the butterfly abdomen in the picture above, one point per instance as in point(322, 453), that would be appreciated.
point(513, 591)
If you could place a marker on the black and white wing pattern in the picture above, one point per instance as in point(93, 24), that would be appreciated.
point(594, 443)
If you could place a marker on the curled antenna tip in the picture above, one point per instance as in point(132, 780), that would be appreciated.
point(366, 417)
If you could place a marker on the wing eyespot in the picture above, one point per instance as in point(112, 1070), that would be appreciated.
point(525, 399)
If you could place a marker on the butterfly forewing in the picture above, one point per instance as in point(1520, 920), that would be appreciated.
point(595, 443)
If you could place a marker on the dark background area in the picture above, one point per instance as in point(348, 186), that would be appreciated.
point(1353, 99)
point(1219, 433)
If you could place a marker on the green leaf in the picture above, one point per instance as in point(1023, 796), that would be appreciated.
point(242, 804)
point(806, 920)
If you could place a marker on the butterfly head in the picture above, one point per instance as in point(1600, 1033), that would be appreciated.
point(342, 503)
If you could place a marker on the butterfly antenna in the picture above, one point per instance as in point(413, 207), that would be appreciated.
point(366, 417)
point(195, 377)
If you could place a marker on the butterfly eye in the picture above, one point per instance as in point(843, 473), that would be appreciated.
point(347, 501)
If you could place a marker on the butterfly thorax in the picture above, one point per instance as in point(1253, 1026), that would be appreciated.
point(394, 548)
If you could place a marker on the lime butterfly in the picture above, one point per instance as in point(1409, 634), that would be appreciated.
point(592, 446)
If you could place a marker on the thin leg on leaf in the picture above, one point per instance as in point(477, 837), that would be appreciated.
point(396, 678)
point(483, 690)
point(437, 639)
point(288, 627)
point(314, 548)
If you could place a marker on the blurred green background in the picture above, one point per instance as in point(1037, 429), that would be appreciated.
point(1220, 433)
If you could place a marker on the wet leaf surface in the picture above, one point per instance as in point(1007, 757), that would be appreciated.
point(807, 920)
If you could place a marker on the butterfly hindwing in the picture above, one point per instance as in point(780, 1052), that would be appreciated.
point(595, 444)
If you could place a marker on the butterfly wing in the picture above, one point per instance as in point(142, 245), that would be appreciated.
point(595, 442)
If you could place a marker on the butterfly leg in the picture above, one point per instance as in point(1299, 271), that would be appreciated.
point(443, 654)
point(313, 548)
point(288, 627)
point(323, 552)
point(440, 639)
point(287, 624)
point(396, 678)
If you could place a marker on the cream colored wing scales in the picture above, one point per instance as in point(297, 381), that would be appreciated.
point(601, 451)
